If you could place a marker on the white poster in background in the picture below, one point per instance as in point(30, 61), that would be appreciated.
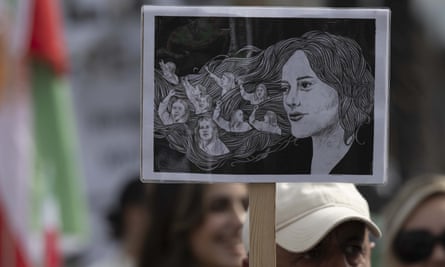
point(251, 94)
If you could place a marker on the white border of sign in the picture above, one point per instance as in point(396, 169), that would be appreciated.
point(381, 100)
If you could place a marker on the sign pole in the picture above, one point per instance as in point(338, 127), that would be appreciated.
point(262, 225)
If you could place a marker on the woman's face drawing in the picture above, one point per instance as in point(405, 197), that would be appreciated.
point(203, 102)
point(217, 241)
point(206, 130)
point(167, 68)
point(178, 110)
point(311, 105)
point(260, 91)
point(227, 81)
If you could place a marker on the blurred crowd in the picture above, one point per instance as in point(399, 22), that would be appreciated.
point(316, 224)
point(109, 218)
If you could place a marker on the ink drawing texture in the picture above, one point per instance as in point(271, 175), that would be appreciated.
point(299, 105)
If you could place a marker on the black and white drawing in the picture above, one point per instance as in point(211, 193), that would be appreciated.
point(279, 98)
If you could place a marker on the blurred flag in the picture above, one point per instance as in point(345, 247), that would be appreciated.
point(41, 189)
point(57, 180)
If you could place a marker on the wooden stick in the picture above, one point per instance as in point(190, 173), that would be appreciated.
point(262, 225)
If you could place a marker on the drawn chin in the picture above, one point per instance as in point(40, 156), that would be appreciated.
point(299, 132)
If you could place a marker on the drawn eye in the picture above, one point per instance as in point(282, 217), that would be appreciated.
point(285, 87)
point(305, 85)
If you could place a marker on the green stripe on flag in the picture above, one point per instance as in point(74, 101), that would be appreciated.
point(57, 151)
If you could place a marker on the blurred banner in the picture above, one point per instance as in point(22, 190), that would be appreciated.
point(39, 171)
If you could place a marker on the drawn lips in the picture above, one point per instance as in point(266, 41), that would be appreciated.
point(296, 116)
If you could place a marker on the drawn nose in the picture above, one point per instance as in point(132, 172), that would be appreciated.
point(292, 99)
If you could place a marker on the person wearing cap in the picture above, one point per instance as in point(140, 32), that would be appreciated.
point(322, 225)
point(414, 223)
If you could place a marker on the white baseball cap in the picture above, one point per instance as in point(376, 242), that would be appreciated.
point(307, 212)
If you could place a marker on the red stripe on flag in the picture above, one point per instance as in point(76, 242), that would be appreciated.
point(11, 251)
point(52, 253)
point(20, 259)
point(47, 42)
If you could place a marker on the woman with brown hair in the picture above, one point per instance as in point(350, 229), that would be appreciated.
point(196, 225)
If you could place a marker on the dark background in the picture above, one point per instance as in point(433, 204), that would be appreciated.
point(227, 35)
